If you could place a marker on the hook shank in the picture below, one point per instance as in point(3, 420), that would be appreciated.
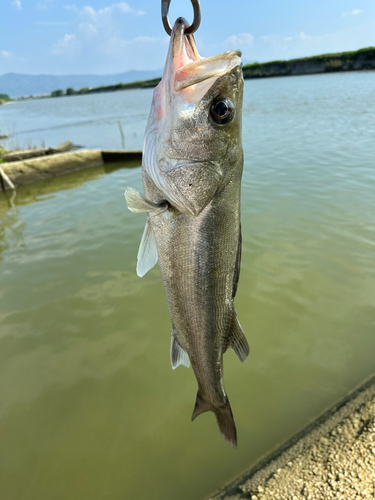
point(189, 29)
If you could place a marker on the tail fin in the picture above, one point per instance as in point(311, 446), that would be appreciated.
point(224, 418)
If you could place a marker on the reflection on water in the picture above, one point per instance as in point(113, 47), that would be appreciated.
point(90, 407)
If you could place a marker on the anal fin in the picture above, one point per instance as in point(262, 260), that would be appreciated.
point(237, 340)
point(147, 253)
point(178, 355)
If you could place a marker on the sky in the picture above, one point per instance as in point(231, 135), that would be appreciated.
point(63, 37)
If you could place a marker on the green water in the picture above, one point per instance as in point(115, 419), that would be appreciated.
point(90, 408)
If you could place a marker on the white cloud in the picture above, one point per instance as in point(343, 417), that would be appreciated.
point(50, 23)
point(276, 47)
point(353, 12)
point(5, 54)
point(99, 30)
point(101, 24)
point(122, 7)
point(73, 8)
point(89, 14)
point(306, 38)
point(303, 44)
point(44, 4)
point(69, 46)
point(99, 33)
point(17, 4)
point(241, 39)
point(283, 41)
point(115, 46)
point(88, 29)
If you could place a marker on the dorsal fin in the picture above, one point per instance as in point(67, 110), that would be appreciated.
point(236, 275)
point(236, 339)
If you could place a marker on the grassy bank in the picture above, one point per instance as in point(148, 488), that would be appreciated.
point(107, 88)
point(362, 59)
point(342, 61)
point(326, 63)
point(4, 98)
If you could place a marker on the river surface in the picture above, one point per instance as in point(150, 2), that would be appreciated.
point(90, 408)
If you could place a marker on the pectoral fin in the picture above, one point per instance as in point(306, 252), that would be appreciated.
point(178, 355)
point(237, 340)
point(147, 253)
point(138, 203)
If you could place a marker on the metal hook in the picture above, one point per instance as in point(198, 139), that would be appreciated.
point(189, 29)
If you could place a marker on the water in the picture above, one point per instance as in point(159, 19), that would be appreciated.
point(90, 408)
point(90, 121)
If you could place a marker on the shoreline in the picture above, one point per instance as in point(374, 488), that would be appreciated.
point(359, 60)
point(362, 59)
point(329, 458)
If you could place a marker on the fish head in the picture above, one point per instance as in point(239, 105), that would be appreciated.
point(196, 123)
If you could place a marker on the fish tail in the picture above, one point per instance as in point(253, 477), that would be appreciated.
point(224, 418)
point(225, 421)
point(138, 203)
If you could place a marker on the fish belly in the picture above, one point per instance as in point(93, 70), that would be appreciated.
point(197, 258)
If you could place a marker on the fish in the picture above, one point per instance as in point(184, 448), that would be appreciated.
point(191, 171)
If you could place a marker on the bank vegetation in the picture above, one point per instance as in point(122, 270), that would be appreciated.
point(4, 98)
point(362, 59)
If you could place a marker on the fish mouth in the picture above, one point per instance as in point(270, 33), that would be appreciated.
point(187, 68)
point(205, 68)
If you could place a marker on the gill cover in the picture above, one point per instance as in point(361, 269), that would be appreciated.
point(179, 121)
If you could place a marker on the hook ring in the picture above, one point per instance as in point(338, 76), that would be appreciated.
point(189, 29)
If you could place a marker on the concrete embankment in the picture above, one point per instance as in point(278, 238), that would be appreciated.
point(34, 153)
point(46, 167)
point(363, 59)
point(332, 458)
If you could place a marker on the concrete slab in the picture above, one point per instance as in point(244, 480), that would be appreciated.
point(46, 167)
point(333, 457)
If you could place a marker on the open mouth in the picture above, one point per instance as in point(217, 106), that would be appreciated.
point(188, 68)
point(197, 71)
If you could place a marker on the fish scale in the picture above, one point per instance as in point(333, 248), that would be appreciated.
point(192, 168)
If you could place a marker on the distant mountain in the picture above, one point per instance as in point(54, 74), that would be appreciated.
point(16, 85)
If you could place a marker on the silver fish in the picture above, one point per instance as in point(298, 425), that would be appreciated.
point(192, 169)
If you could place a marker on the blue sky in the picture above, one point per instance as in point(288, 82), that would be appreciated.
point(100, 37)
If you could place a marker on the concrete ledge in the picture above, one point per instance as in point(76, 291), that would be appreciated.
point(287, 467)
point(46, 167)
point(34, 153)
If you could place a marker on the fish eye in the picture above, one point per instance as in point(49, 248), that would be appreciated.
point(222, 110)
